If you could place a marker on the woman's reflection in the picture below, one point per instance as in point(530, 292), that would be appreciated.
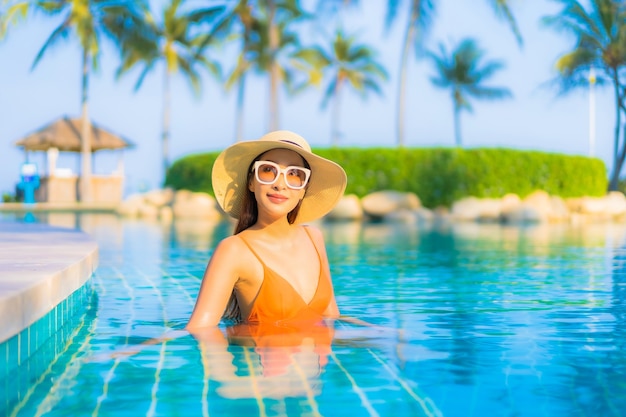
point(266, 360)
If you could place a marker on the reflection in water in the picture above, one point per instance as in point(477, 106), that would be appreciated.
point(267, 361)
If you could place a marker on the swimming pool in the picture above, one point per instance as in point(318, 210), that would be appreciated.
point(473, 320)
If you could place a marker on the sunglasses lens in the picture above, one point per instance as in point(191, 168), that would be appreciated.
point(267, 173)
point(296, 177)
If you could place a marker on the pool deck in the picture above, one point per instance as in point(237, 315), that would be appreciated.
point(40, 266)
point(69, 206)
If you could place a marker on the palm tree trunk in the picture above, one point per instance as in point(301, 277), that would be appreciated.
point(618, 159)
point(273, 46)
point(85, 147)
point(457, 125)
point(409, 36)
point(335, 114)
point(239, 111)
point(165, 134)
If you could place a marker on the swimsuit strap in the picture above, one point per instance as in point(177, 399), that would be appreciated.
point(251, 250)
point(306, 229)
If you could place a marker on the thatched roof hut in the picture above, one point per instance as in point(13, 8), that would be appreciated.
point(64, 134)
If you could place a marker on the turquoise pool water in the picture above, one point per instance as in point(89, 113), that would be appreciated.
point(473, 320)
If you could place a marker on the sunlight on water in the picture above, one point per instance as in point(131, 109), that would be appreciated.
point(470, 320)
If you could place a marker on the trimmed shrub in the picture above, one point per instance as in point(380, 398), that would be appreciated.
point(439, 176)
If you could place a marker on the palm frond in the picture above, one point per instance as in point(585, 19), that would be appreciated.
point(61, 32)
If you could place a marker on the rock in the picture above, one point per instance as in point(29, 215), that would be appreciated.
point(616, 204)
point(195, 205)
point(508, 203)
point(348, 208)
point(382, 203)
point(558, 211)
point(148, 212)
point(490, 209)
point(402, 216)
point(466, 209)
point(166, 214)
point(131, 206)
point(592, 205)
point(424, 215)
point(525, 213)
point(159, 198)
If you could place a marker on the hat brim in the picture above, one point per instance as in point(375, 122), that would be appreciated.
point(230, 173)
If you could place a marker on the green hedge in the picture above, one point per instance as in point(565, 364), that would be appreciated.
point(439, 176)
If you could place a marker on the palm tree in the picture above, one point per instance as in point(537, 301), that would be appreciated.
point(346, 63)
point(600, 34)
point(463, 73)
point(240, 17)
point(420, 13)
point(266, 43)
point(172, 40)
point(277, 41)
point(88, 21)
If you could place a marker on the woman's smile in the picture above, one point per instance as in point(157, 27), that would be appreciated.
point(277, 198)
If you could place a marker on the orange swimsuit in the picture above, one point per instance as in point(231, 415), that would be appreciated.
point(280, 321)
point(278, 301)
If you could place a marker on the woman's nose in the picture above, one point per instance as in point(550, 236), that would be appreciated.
point(281, 182)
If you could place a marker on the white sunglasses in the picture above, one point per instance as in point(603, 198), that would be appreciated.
point(267, 172)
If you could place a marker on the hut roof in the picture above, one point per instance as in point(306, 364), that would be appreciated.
point(64, 134)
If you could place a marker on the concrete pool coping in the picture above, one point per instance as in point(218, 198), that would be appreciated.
point(40, 266)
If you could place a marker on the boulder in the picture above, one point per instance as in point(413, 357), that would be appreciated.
point(466, 209)
point(166, 214)
point(558, 212)
point(382, 203)
point(525, 213)
point(149, 212)
point(616, 204)
point(159, 198)
point(195, 205)
point(509, 203)
point(130, 207)
point(348, 208)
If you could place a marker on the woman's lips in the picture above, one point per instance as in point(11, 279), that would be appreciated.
point(276, 198)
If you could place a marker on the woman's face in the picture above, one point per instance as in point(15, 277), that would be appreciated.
point(278, 199)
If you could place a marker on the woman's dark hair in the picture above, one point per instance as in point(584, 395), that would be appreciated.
point(248, 216)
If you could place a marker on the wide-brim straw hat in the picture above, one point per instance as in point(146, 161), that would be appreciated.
point(230, 174)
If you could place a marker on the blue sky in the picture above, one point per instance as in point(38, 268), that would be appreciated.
point(535, 118)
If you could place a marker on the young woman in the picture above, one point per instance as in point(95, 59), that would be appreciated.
point(273, 270)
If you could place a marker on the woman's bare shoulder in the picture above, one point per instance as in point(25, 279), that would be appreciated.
point(315, 233)
point(232, 249)
point(229, 244)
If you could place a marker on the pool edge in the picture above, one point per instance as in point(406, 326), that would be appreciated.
point(40, 267)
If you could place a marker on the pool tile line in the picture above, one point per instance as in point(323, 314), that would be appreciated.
point(111, 373)
point(176, 282)
point(159, 295)
point(310, 395)
point(157, 373)
point(253, 380)
point(157, 380)
point(69, 373)
point(428, 406)
point(365, 402)
point(27, 355)
point(205, 383)
point(18, 407)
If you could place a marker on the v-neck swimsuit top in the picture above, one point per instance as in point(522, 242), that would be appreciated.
point(277, 301)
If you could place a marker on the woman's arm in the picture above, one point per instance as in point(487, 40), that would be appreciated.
point(218, 282)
